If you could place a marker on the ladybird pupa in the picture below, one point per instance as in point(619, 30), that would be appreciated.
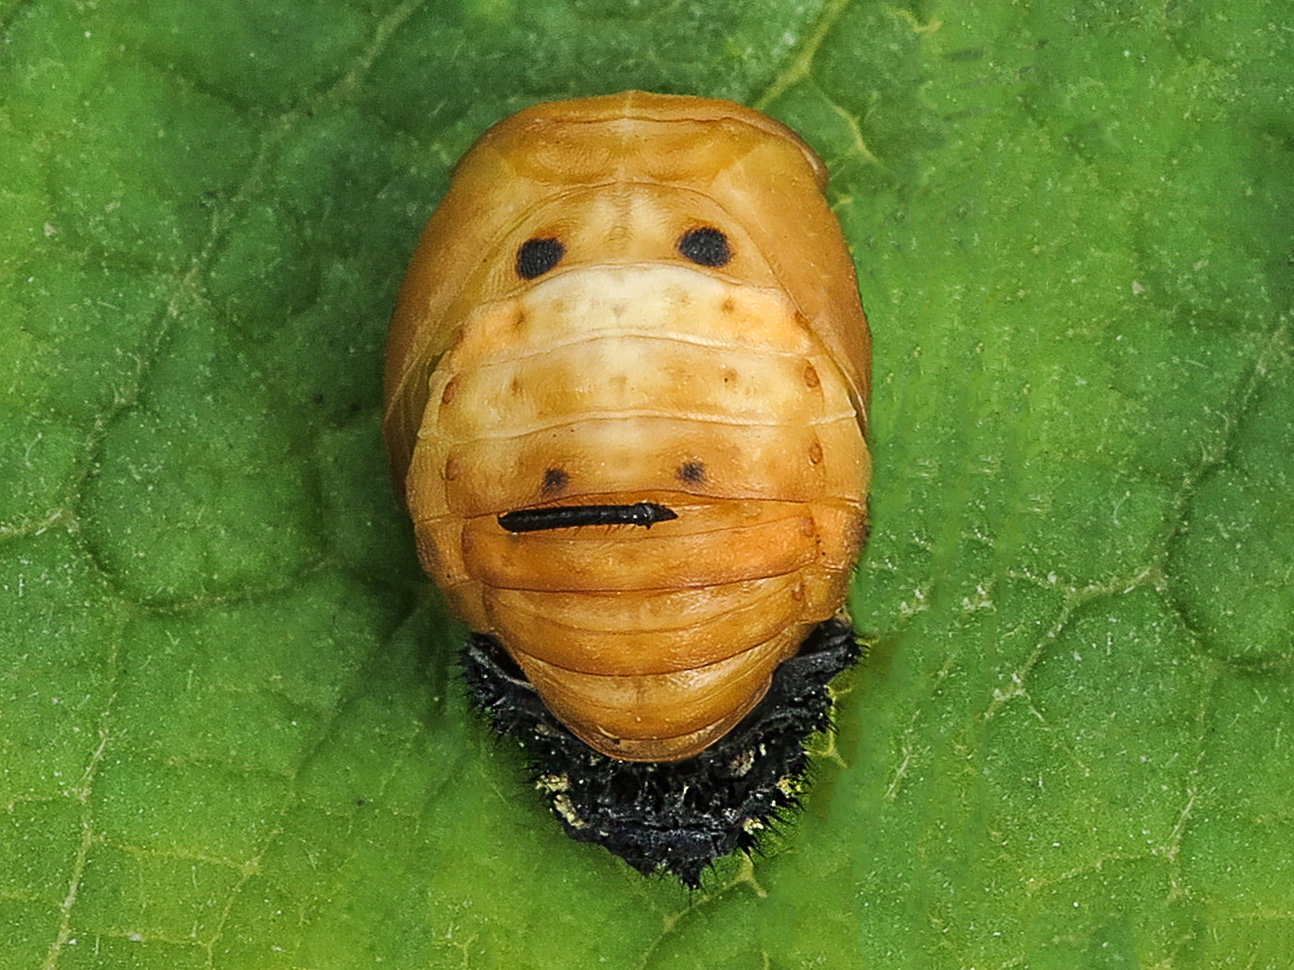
point(626, 402)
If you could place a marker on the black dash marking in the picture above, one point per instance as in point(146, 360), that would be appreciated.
point(645, 514)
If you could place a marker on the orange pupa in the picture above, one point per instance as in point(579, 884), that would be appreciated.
point(627, 382)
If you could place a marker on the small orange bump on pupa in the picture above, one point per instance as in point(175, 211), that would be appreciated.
point(664, 277)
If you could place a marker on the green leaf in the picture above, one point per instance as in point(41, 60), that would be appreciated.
point(231, 734)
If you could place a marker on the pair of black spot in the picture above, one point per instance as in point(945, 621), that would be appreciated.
point(690, 472)
point(549, 517)
point(705, 246)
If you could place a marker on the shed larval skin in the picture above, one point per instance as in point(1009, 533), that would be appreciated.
point(733, 395)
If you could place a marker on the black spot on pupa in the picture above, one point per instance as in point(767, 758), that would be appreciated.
point(706, 246)
point(537, 256)
point(691, 472)
point(555, 480)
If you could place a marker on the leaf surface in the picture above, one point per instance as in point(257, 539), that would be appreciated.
point(231, 732)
